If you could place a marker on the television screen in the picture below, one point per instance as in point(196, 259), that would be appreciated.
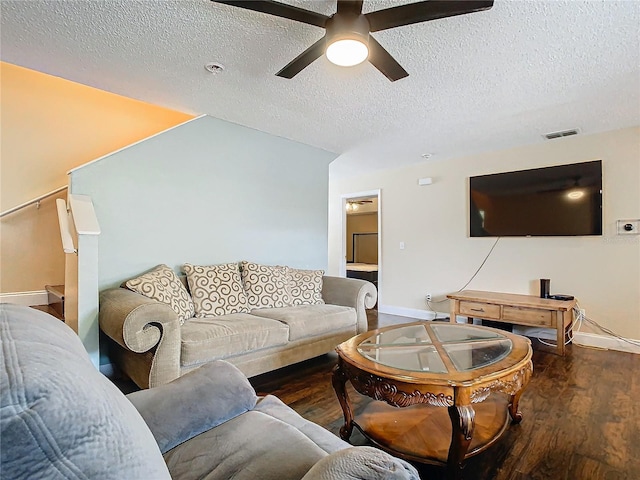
point(551, 201)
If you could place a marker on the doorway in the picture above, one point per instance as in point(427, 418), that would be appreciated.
point(361, 246)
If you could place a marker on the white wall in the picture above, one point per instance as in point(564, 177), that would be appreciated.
point(439, 257)
point(208, 192)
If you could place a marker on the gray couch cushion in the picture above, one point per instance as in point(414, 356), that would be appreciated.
point(323, 438)
point(362, 463)
point(249, 447)
point(312, 320)
point(206, 339)
point(197, 401)
point(59, 417)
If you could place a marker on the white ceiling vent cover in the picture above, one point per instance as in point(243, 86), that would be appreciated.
point(564, 133)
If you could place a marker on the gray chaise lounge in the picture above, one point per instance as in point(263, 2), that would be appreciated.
point(60, 418)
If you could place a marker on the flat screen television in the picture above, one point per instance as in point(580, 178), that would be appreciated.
point(563, 200)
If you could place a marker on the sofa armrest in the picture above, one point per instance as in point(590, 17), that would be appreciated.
point(194, 403)
point(140, 324)
point(350, 292)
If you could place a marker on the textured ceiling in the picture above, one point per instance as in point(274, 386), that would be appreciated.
point(477, 82)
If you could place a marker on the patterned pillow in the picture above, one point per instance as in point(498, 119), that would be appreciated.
point(216, 289)
point(306, 286)
point(162, 284)
point(266, 286)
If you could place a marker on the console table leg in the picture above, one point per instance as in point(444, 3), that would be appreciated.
point(462, 423)
point(561, 332)
point(339, 381)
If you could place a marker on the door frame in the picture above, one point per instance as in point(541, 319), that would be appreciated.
point(343, 254)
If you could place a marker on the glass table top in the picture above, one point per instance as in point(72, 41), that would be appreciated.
point(430, 347)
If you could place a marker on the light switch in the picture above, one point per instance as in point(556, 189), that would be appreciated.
point(401, 245)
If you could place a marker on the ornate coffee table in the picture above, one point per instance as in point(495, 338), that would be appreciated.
point(477, 373)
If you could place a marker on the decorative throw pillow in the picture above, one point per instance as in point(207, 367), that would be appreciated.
point(266, 286)
point(162, 284)
point(216, 289)
point(306, 286)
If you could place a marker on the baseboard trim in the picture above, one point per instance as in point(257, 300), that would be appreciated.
point(605, 341)
point(29, 299)
point(411, 312)
point(584, 339)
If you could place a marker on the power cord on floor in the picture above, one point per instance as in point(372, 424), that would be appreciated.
point(607, 331)
point(580, 317)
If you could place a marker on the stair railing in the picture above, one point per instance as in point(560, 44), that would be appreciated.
point(36, 200)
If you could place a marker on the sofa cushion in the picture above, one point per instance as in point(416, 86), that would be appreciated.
point(276, 408)
point(306, 286)
point(249, 447)
point(266, 286)
point(213, 338)
point(362, 463)
point(163, 285)
point(312, 320)
point(216, 289)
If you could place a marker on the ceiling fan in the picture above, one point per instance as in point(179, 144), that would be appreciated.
point(347, 40)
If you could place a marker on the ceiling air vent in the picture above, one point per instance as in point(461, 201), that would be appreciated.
point(564, 133)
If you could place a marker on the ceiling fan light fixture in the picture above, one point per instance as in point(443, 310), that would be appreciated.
point(347, 40)
point(347, 52)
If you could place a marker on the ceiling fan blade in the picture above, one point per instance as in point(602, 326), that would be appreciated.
point(423, 12)
point(279, 10)
point(303, 60)
point(350, 6)
point(383, 61)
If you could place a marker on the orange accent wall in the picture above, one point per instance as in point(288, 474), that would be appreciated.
point(48, 126)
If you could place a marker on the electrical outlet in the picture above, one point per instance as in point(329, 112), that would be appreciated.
point(628, 227)
point(427, 297)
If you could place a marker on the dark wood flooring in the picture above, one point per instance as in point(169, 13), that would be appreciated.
point(581, 414)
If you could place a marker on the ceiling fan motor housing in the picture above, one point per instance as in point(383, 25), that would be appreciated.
point(347, 26)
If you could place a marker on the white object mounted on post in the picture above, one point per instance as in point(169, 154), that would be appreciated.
point(65, 231)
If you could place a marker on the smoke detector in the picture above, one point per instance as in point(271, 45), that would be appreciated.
point(214, 67)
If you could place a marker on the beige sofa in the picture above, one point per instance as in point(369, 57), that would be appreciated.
point(153, 347)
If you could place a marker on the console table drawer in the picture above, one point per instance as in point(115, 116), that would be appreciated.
point(527, 316)
point(480, 310)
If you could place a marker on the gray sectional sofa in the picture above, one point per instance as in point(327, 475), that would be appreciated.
point(60, 418)
point(156, 340)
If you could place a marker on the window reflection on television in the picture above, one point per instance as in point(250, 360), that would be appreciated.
point(550, 201)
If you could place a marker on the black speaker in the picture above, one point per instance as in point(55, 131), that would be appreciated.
point(545, 284)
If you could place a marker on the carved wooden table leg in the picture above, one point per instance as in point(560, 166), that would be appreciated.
point(339, 381)
point(516, 415)
point(462, 423)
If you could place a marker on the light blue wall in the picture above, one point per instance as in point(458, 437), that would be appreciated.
point(208, 192)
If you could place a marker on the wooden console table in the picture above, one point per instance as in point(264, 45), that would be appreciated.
point(528, 310)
